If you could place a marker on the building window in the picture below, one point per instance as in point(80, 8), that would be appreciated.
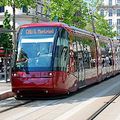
point(110, 2)
point(110, 12)
point(118, 22)
point(102, 12)
point(118, 12)
point(110, 22)
point(118, 1)
point(24, 9)
point(1, 9)
point(118, 29)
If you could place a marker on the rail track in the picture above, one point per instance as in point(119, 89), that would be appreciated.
point(32, 100)
point(76, 102)
point(95, 114)
point(16, 106)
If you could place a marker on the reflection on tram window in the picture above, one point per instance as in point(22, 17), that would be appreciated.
point(85, 57)
point(37, 53)
point(106, 54)
point(89, 53)
point(61, 59)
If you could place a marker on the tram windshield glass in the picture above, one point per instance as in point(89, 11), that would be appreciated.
point(35, 47)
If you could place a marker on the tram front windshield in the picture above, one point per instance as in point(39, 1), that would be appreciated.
point(35, 48)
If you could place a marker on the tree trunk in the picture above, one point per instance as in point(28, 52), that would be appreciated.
point(14, 32)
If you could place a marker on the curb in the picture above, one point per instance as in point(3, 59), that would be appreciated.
point(6, 95)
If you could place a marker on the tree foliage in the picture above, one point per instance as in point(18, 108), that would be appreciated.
point(72, 12)
point(103, 27)
point(95, 4)
point(18, 3)
point(6, 38)
point(77, 13)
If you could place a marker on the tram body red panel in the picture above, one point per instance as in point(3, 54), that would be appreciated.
point(34, 80)
point(91, 80)
point(57, 82)
point(63, 82)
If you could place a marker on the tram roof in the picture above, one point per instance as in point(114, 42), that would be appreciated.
point(70, 28)
point(57, 24)
point(80, 30)
point(53, 24)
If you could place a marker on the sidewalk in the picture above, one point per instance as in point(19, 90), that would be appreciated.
point(5, 90)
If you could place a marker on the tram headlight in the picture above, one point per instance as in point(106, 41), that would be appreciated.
point(14, 75)
point(50, 74)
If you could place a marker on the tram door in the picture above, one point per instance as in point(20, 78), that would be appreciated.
point(78, 53)
point(81, 70)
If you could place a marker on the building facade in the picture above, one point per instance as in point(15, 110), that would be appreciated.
point(26, 15)
point(110, 9)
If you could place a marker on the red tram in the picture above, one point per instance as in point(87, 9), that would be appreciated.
point(54, 58)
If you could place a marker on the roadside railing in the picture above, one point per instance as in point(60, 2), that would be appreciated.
point(5, 64)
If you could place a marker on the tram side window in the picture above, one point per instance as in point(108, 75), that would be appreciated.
point(79, 52)
point(74, 45)
point(89, 53)
point(106, 54)
point(116, 52)
point(62, 52)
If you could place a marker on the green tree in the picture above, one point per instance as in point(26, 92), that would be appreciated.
point(77, 13)
point(94, 4)
point(95, 20)
point(17, 4)
point(72, 12)
point(103, 27)
point(6, 38)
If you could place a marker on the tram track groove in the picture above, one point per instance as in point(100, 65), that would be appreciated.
point(30, 101)
point(95, 114)
point(16, 106)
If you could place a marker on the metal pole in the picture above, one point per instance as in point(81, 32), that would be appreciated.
point(6, 52)
point(14, 33)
